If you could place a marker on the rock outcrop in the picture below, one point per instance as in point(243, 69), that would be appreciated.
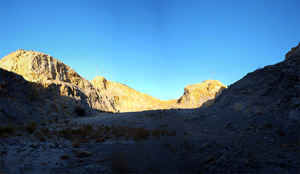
point(127, 99)
point(200, 94)
point(69, 89)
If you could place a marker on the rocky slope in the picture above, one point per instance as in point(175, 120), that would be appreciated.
point(54, 82)
point(23, 101)
point(127, 99)
point(271, 91)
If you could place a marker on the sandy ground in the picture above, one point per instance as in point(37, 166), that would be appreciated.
point(198, 141)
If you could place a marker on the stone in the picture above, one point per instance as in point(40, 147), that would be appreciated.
point(83, 153)
point(64, 157)
point(209, 158)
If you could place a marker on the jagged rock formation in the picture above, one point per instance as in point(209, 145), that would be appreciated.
point(272, 90)
point(201, 94)
point(46, 71)
point(127, 99)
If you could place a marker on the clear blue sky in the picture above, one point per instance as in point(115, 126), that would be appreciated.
point(159, 47)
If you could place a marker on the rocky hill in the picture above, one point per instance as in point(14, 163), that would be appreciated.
point(200, 94)
point(55, 83)
point(128, 99)
point(271, 91)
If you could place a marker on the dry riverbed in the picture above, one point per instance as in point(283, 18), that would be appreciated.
point(169, 141)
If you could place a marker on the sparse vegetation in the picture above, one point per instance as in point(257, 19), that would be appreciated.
point(40, 136)
point(80, 111)
point(266, 126)
point(6, 131)
point(76, 144)
point(31, 127)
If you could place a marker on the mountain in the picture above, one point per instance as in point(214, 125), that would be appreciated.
point(58, 90)
point(127, 99)
point(69, 90)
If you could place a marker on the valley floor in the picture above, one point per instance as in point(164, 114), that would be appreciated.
point(171, 141)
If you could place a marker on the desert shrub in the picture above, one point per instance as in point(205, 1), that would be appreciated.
point(87, 129)
point(118, 131)
point(40, 136)
point(46, 132)
point(107, 128)
point(7, 129)
point(76, 144)
point(266, 126)
point(31, 127)
point(156, 133)
point(141, 133)
point(79, 111)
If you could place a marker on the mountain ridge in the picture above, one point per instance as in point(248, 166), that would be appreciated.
point(70, 90)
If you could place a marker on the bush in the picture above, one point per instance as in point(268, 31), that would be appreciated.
point(40, 136)
point(7, 129)
point(76, 144)
point(31, 127)
point(79, 111)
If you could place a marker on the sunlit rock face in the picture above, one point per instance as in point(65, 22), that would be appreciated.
point(128, 99)
point(47, 71)
point(200, 94)
point(58, 90)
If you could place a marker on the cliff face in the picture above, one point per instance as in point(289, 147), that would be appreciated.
point(200, 94)
point(128, 99)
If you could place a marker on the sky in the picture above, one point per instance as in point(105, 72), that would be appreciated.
point(156, 47)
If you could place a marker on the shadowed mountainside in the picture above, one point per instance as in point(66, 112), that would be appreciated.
point(270, 94)
point(24, 101)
